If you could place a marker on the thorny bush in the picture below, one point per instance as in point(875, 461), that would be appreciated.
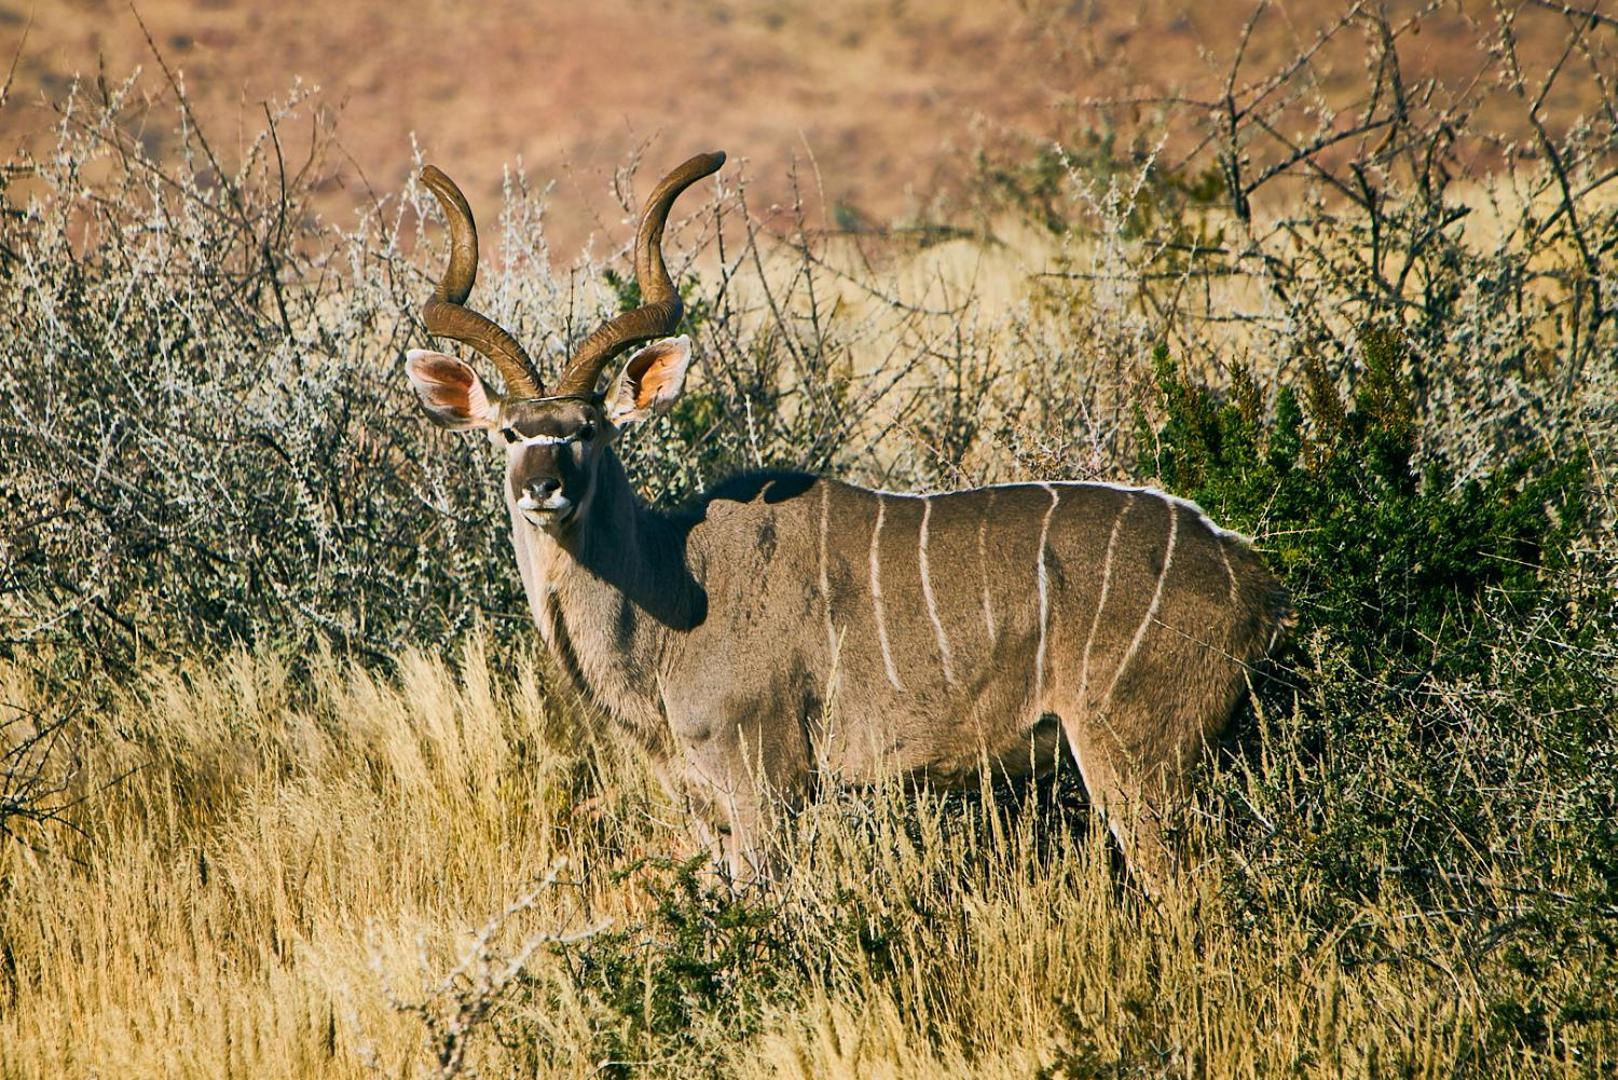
point(207, 436)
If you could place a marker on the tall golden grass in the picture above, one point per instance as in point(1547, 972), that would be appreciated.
point(275, 866)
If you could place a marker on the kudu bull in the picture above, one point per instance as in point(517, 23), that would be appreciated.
point(787, 630)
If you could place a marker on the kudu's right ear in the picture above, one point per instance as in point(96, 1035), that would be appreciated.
point(451, 393)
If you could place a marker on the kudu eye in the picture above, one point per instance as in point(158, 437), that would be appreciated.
point(510, 434)
point(587, 432)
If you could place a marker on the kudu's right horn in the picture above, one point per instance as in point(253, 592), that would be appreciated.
point(445, 314)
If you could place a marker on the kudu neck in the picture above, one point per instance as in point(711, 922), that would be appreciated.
point(620, 544)
point(608, 527)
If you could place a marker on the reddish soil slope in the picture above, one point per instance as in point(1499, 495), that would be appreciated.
point(882, 105)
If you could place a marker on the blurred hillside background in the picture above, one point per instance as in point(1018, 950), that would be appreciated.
point(883, 110)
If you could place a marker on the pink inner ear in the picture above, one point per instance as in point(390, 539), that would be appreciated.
point(443, 382)
point(441, 369)
point(649, 390)
point(653, 372)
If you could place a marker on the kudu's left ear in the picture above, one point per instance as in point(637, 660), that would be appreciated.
point(650, 382)
point(450, 391)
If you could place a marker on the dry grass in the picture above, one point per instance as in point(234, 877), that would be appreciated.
point(291, 853)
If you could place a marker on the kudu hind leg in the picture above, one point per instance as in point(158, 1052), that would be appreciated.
point(1134, 783)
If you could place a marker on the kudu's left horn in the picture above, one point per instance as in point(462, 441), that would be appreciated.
point(660, 308)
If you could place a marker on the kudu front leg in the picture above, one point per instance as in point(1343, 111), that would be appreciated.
point(704, 824)
point(729, 816)
point(746, 789)
point(748, 835)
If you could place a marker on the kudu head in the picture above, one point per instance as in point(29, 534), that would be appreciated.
point(554, 441)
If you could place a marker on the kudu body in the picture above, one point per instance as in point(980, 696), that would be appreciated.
point(788, 630)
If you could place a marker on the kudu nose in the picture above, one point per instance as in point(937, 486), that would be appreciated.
point(544, 488)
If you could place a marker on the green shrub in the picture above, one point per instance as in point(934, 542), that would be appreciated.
point(1443, 714)
point(700, 951)
point(1402, 564)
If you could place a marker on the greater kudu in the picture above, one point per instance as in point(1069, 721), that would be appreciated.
point(937, 632)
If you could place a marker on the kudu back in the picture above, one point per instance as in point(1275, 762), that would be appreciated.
point(789, 630)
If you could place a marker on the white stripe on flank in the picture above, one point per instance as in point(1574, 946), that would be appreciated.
point(876, 595)
point(1127, 489)
point(825, 580)
point(1224, 557)
point(1101, 602)
point(1151, 609)
point(983, 564)
point(927, 592)
point(1044, 598)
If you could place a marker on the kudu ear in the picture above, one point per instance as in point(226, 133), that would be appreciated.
point(650, 382)
point(451, 393)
